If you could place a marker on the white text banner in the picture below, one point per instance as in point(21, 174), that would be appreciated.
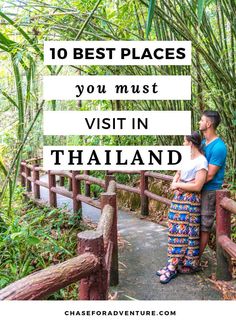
point(115, 157)
point(117, 122)
point(117, 53)
point(117, 87)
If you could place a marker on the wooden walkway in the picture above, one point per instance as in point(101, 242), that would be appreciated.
point(143, 250)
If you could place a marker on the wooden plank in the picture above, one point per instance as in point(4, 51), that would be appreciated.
point(89, 201)
point(62, 173)
point(228, 204)
point(128, 188)
point(91, 179)
point(41, 183)
point(228, 245)
point(163, 177)
point(158, 198)
point(40, 169)
point(62, 191)
point(42, 283)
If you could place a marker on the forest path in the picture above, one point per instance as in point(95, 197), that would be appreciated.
point(143, 251)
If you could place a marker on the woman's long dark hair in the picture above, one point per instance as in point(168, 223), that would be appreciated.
point(196, 139)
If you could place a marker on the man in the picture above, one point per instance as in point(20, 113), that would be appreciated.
point(215, 151)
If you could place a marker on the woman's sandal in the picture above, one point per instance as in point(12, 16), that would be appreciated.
point(189, 269)
point(162, 271)
point(168, 275)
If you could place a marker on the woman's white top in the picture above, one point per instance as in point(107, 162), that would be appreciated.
point(195, 165)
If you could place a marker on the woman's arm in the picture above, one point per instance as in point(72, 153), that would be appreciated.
point(194, 186)
point(176, 177)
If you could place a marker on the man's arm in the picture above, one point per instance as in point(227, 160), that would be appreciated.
point(216, 160)
point(212, 170)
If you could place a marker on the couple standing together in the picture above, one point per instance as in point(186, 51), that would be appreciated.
point(192, 211)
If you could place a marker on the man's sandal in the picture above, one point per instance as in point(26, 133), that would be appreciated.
point(189, 269)
point(167, 276)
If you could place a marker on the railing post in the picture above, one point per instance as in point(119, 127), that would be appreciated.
point(108, 178)
point(36, 187)
point(28, 182)
point(87, 185)
point(223, 227)
point(22, 170)
point(143, 197)
point(52, 195)
point(93, 287)
point(62, 181)
point(76, 189)
point(70, 183)
point(110, 198)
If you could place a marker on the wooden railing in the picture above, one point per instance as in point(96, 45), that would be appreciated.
point(30, 178)
point(226, 248)
point(96, 265)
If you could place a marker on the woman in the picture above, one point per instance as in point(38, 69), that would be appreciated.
point(184, 214)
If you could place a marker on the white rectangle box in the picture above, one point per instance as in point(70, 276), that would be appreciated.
point(117, 87)
point(115, 310)
point(115, 157)
point(117, 122)
point(111, 52)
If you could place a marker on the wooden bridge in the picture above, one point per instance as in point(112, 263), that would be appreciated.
point(96, 266)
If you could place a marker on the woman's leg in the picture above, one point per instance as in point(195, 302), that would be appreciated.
point(191, 259)
point(178, 224)
point(178, 230)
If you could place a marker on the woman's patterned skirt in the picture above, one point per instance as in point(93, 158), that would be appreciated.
point(184, 229)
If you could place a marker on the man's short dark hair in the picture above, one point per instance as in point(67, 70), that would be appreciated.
point(214, 117)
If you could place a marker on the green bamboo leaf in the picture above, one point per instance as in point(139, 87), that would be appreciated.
point(87, 21)
point(4, 48)
point(13, 48)
point(12, 101)
point(6, 41)
point(151, 9)
point(5, 172)
point(20, 99)
point(25, 35)
point(19, 151)
point(200, 9)
point(3, 167)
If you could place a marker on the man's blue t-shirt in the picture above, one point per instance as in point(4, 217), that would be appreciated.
point(215, 153)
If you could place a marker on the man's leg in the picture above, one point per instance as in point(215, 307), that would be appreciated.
point(204, 238)
point(207, 218)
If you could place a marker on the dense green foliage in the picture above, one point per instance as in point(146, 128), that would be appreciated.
point(33, 238)
point(28, 236)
